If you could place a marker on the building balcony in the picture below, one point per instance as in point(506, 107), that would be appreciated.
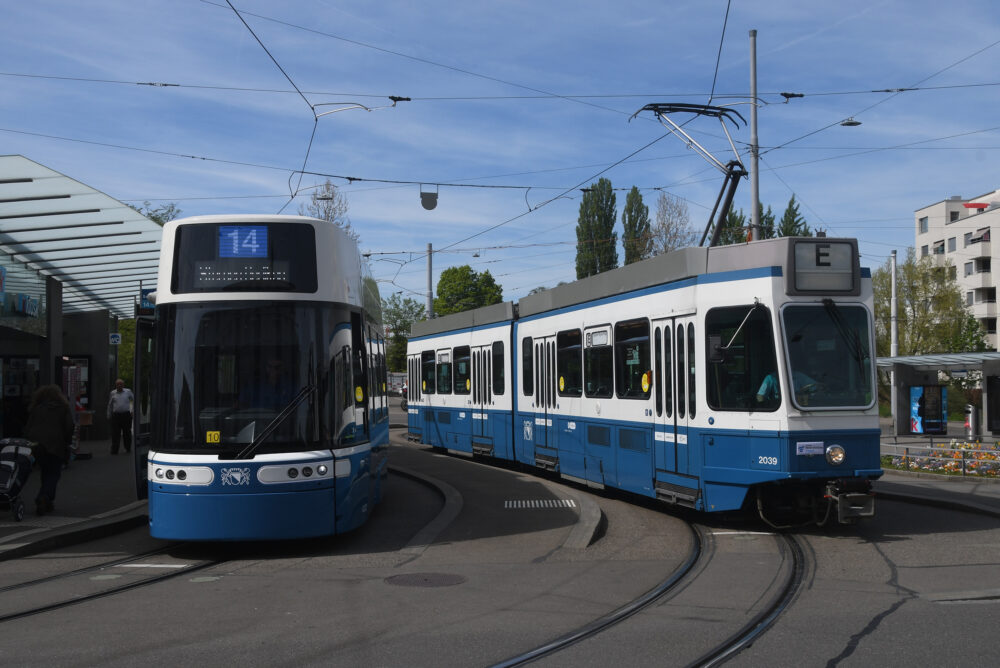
point(984, 310)
point(982, 279)
point(981, 249)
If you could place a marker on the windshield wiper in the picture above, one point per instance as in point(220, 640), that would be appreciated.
point(247, 452)
point(849, 335)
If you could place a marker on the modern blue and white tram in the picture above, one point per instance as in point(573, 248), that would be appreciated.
point(270, 415)
point(723, 378)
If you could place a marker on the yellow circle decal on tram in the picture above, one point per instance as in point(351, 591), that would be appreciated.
point(425, 386)
point(562, 384)
point(645, 381)
point(468, 384)
point(359, 394)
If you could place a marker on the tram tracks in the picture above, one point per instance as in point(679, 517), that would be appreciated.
point(62, 590)
point(695, 578)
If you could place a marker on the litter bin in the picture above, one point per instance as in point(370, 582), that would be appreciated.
point(971, 421)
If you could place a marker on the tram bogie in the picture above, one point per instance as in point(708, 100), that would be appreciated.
point(714, 378)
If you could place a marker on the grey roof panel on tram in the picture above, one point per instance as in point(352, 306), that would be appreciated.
point(666, 268)
point(486, 315)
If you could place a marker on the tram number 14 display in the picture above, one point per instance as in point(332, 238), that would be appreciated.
point(242, 241)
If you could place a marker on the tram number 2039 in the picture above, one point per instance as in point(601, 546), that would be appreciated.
point(767, 461)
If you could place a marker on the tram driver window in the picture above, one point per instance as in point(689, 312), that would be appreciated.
point(633, 370)
point(444, 372)
point(742, 371)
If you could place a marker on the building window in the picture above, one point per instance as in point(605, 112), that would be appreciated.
point(922, 223)
point(952, 216)
point(939, 247)
point(969, 268)
point(951, 245)
point(990, 325)
point(953, 272)
point(924, 251)
point(983, 265)
point(969, 298)
point(967, 238)
point(990, 295)
point(982, 235)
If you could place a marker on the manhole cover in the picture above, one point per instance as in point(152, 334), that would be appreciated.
point(426, 580)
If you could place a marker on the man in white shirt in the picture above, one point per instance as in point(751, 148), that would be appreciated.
point(120, 415)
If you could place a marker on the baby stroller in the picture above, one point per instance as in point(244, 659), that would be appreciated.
point(15, 467)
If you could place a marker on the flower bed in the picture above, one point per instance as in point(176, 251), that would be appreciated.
point(962, 458)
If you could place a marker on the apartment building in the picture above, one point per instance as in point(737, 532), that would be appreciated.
point(958, 230)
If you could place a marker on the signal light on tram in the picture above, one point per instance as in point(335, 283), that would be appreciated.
point(293, 473)
point(307, 471)
point(170, 474)
point(182, 475)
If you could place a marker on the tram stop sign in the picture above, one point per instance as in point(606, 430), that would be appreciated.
point(115, 339)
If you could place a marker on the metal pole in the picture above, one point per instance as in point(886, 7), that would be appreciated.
point(754, 173)
point(893, 340)
point(430, 283)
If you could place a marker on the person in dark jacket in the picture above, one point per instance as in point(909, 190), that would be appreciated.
point(50, 426)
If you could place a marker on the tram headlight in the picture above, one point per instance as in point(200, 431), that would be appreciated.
point(159, 473)
point(293, 473)
point(835, 454)
point(322, 469)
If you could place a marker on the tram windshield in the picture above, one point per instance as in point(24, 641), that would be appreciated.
point(829, 355)
point(227, 370)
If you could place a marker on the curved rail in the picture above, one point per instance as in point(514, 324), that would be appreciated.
point(58, 605)
point(766, 618)
point(616, 616)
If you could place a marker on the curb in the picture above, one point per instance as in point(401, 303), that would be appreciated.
point(99, 526)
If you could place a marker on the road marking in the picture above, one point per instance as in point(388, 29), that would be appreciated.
point(742, 533)
point(522, 504)
point(153, 565)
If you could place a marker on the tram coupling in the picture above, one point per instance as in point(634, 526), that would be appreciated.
point(853, 497)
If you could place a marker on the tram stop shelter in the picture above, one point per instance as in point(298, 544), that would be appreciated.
point(73, 261)
point(917, 392)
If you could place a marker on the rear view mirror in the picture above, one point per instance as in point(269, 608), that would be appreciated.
point(716, 353)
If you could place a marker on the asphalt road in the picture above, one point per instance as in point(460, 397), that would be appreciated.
point(915, 585)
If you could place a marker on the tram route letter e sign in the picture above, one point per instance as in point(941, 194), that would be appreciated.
point(821, 265)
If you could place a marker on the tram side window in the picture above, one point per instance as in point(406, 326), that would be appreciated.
point(569, 364)
point(598, 363)
point(740, 359)
point(528, 369)
point(427, 372)
point(444, 372)
point(463, 370)
point(633, 371)
point(498, 379)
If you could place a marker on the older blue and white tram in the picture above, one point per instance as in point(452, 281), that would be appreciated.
point(716, 378)
point(271, 414)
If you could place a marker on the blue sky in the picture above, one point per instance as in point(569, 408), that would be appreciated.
point(532, 96)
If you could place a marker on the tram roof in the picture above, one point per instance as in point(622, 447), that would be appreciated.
point(97, 247)
point(667, 268)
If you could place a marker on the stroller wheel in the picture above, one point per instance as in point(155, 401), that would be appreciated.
point(17, 509)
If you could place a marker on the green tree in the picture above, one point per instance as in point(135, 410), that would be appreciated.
point(328, 203)
point(792, 223)
point(672, 229)
point(931, 317)
point(398, 316)
point(596, 239)
point(160, 214)
point(767, 230)
point(734, 229)
point(636, 235)
point(462, 289)
point(126, 356)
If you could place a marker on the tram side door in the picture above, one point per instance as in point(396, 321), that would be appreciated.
point(142, 410)
point(482, 378)
point(673, 340)
point(545, 397)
